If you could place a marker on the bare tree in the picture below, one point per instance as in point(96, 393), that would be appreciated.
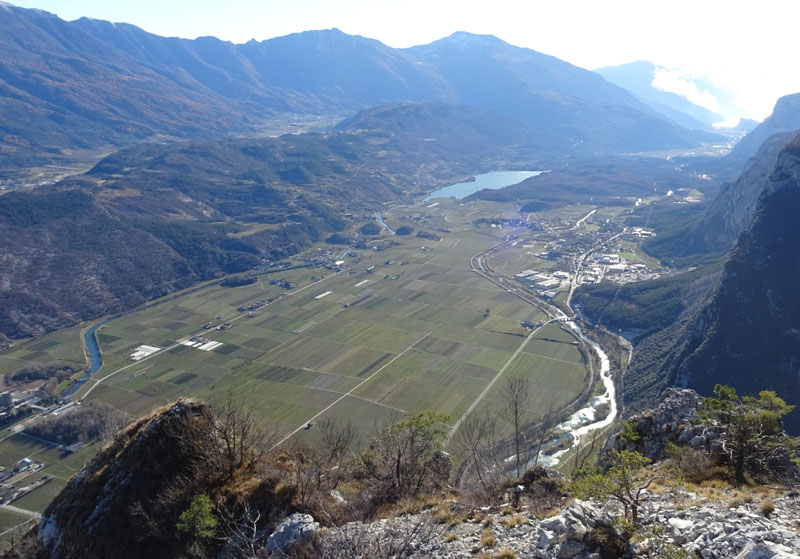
point(547, 427)
point(476, 441)
point(404, 458)
point(245, 537)
point(238, 437)
point(338, 439)
point(313, 469)
point(515, 396)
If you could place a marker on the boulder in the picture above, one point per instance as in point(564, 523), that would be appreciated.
point(570, 549)
point(294, 529)
point(765, 551)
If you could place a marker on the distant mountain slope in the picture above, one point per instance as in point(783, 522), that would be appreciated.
point(732, 210)
point(61, 87)
point(747, 335)
point(468, 128)
point(154, 218)
point(637, 78)
point(785, 117)
point(550, 94)
point(89, 83)
point(610, 180)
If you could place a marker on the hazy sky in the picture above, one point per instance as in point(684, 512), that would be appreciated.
point(747, 46)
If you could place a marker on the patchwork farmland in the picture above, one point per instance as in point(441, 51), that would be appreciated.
point(404, 329)
point(419, 331)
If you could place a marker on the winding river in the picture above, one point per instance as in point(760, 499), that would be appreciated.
point(583, 421)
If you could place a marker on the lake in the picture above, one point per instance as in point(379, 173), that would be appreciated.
point(493, 180)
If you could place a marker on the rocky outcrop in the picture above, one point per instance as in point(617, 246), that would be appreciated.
point(294, 529)
point(585, 530)
point(126, 502)
point(673, 420)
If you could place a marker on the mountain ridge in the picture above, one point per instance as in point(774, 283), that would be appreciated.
point(91, 82)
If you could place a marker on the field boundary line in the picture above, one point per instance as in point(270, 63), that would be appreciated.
point(349, 392)
point(18, 526)
point(98, 381)
point(499, 374)
point(24, 512)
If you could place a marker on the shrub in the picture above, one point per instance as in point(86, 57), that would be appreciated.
point(695, 466)
point(767, 508)
point(370, 228)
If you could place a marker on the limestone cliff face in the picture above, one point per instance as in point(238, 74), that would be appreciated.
point(732, 210)
point(750, 337)
point(785, 117)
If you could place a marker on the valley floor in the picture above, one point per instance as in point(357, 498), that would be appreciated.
point(403, 325)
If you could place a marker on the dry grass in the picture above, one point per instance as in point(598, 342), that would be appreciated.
point(767, 508)
point(516, 520)
point(449, 513)
point(488, 539)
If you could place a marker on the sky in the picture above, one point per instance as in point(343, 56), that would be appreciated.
point(742, 46)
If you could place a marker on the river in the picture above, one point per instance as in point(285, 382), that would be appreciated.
point(493, 180)
point(582, 422)
point(95, 357)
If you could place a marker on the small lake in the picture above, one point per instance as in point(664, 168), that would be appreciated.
point(493, 181)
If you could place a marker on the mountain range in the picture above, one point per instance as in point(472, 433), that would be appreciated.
point(91, 83)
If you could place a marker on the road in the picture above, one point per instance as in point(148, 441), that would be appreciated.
point(573, 282)
point(495, 379)
point(479, 267)
point(349, 392)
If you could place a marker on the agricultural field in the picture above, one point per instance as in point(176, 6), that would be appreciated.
point(57, 464)
point(403, 329)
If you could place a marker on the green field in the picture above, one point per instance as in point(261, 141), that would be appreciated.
point(423, 332)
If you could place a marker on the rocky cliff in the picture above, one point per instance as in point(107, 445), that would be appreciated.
point(785, 117)
point(748, 335)
point(732, 210)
